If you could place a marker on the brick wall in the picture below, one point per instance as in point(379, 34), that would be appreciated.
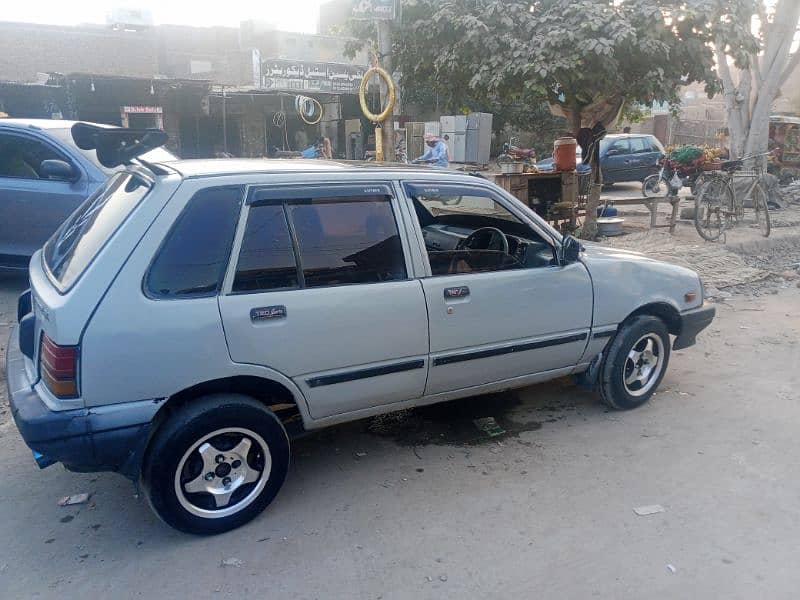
point(26, 49)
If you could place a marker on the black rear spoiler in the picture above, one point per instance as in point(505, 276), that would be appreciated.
point(117, 146)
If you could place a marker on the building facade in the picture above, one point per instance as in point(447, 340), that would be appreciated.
point(214, 90)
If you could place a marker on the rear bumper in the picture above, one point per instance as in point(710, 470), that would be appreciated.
point(108, 438)
point(693, 322)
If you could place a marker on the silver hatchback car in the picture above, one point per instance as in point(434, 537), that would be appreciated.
point(190, 318)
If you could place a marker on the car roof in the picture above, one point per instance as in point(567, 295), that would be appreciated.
point(211, 167)
point(46, 123)
point(616, 136)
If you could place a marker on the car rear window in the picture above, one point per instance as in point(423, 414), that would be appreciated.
point(81, 237)
point(192, 260)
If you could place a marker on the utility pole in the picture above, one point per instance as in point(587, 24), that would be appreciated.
point(385, 27)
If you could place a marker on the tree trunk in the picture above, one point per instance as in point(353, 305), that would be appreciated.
point(749, 100)
point(589, 229)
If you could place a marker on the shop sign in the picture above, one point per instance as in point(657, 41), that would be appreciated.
point(374, 9)
point(292, 75)
point(140, 109)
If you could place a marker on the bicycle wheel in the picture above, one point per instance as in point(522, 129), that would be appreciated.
point(761, 210)
point(654, 186)
point(713, 208)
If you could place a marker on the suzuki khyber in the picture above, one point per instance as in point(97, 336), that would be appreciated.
point(190, 318)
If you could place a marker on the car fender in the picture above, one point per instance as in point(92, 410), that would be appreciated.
point(624, 282)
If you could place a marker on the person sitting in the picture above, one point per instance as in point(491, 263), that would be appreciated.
point(436, 154)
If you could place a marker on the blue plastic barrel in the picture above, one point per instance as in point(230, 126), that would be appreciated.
point(609, 212)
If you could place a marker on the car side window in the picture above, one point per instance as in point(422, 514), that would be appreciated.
point(639, 145)
point(470, 232)
point(343, 241)
point(266, 259)
point(655, 145)
point(619, 147)
point(21, 156)
point(194, 255)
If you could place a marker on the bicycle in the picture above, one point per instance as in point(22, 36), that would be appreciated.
point(718, 205)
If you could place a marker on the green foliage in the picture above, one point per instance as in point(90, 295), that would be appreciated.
point(568, 52)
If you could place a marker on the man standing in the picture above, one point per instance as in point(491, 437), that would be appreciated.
point(436, 154)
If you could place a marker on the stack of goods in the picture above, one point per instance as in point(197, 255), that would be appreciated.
point(695, 157)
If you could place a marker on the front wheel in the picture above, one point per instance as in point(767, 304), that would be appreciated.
point(713, 208)
point(215, 464)
point(635, 363)
point(654, 186)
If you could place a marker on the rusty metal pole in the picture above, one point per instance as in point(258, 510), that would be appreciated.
point(385, 52)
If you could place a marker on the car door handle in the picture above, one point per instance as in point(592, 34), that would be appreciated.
point(264, 313)
point(459, 291)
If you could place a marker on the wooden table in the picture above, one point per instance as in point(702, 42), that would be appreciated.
point(551, 187)
point(652, 206)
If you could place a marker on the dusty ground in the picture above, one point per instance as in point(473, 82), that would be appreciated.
point(425, 506)
point(743, 262)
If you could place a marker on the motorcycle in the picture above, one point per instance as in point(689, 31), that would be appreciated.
point(512, 153)
point(671, 178)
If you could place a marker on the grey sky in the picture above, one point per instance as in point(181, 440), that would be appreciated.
point(288, 15)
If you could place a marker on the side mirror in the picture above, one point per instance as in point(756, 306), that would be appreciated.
point(570, 249)
point(612, 152)
point(57, 169)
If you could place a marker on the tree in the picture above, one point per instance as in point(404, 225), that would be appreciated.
point(576, 54)
point(751, 90)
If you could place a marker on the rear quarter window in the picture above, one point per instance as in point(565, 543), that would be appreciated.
point(81, 237)
point(193, 257)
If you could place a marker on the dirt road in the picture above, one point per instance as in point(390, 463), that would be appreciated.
point(425, 506)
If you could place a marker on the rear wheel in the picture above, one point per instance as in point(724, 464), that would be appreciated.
point(761, 210)
point(215, 464)
point(635, 363)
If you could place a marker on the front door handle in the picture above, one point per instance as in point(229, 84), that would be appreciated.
point(459, 291)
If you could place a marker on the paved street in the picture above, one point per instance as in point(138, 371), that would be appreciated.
point(423, 505)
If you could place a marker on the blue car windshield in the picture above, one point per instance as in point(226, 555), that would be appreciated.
point(81, 237)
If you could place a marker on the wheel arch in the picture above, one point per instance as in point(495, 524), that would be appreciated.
point(663, 310)
point(273, 394)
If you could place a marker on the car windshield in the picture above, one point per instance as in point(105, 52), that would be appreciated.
point(157, 155)
point(79, 239)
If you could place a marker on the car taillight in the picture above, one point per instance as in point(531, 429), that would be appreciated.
point(59, 368)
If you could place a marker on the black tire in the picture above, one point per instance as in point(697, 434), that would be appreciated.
point(221, 418)
point(614, 391)
point(761, 210)
point(654, 185)
point(713, 208)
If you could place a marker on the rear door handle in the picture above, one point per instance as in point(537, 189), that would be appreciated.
point(267, 313)
point(459, 291)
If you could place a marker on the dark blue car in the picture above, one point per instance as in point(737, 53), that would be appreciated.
point(623, 157)
point(44, 176)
